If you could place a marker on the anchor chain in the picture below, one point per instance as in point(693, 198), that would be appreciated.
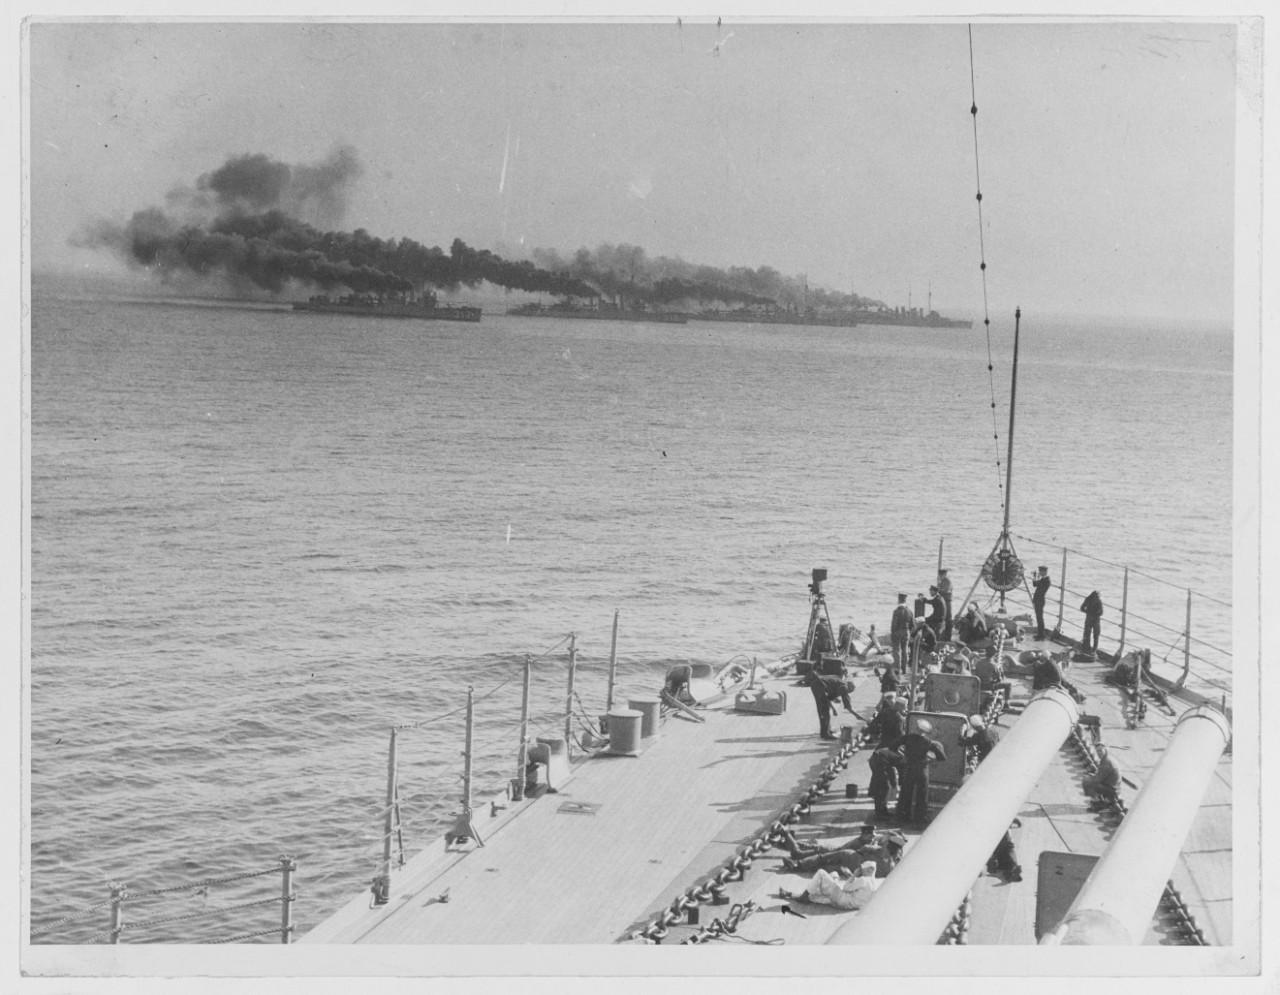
point(721, 927)
point(711, 890)
point(1171, 901)
point(957, 931)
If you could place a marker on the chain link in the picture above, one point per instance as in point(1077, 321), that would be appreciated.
point(734, 868)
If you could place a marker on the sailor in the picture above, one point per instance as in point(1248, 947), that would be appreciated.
point(944, 591)
point(1092, 608)
point(971, 627)
point(900, 632)
point(1045, 673)
point(677, 684)
point(1004, 859)
point(884, 764)
point(827, 688)
point(928, 639)
point(1125, 672)
point(919, 750)
point(978, 737)
point(837, 890)
point(888, 724)
point(1041, 586)
point(823, 641)
point(884, 848)
point(937, 612)
point(889, 680)
point(1103, 787)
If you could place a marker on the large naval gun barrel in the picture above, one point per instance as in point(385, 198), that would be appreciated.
point(917, 901)
point(1118, 899)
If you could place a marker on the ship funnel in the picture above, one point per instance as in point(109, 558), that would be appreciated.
point(1121, 894)
point(918, 900)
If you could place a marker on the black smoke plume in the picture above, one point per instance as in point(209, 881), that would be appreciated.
point(244, 221)
point(259, 222)
point(626, 273)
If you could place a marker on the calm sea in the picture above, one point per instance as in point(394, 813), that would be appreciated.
point(261, 538)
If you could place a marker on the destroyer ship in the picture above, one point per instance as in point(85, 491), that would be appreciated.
point(598, 312)
point(421, 306)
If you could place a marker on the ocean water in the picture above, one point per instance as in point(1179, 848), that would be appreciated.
point(261, 538)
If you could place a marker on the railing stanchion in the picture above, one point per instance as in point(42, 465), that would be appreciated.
point(568, 706)
point(517, 792)
point(287, 867)
point(1124, 613)
point(1186, 646)
point(613, 665)
point(464, 827)
point(1062, 589)
point(382, 883)
point(117, 911)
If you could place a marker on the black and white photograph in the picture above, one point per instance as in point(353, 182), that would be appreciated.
point(506, 496)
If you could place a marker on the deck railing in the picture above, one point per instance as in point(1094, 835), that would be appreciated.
point(1175, 623)
point(195, 897)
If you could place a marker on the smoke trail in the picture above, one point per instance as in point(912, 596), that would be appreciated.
point(243, 222)
point(258, 221)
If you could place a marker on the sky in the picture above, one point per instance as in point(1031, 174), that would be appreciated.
point(841, 151)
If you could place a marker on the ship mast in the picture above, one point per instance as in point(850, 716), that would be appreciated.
point(1013, 407)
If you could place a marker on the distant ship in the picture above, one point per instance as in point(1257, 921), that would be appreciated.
point(598, 312)
point(911, 316)
point(422, 306)
point(780, 316)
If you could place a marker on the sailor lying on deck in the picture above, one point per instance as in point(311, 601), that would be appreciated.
point(843, 893)
point(885, 849)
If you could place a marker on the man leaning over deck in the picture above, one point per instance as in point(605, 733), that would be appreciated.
point(826, 689)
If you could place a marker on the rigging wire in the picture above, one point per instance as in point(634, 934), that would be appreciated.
point(982, 255)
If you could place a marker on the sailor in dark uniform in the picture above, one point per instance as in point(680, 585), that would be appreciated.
point(937, 617)
point(1042, 584)
point(884, 764)
point(1045, 673)
point(918, 752)
point(827, 688)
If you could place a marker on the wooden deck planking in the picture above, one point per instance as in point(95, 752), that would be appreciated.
point(665, 819)
point(727, 779)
